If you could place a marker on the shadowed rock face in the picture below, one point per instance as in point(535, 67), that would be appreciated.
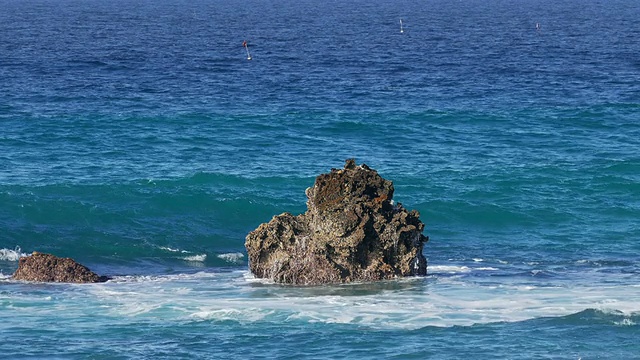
point(49, 268)
point(351, 231)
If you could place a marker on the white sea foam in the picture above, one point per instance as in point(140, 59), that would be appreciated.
point(185, 255)
point(234, 258)
point(4, 277)
point(407, 303)
point(455, 269)
point(245, 315)
point(625, 322)
point(250, 278)
point(195, 258)
point(12, 255)
point(450, 269)
point(162, 278)
point(173, 250)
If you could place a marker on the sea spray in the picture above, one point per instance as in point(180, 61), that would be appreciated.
point(12, 254)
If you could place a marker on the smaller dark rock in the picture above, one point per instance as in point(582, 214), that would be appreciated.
point(49, 268)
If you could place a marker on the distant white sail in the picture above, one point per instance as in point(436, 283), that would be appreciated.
point(244, 44)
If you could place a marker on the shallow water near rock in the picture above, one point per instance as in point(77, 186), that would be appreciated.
point(138, 140)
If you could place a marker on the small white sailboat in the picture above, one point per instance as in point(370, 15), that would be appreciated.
point(401, 28)
point(244, 44)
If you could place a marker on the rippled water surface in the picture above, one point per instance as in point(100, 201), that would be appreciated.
point(137, 138)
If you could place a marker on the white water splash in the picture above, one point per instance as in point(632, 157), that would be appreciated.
point(198, 258)
point(173, 250)
point(4, 276)
point(625, 322)
point(234, 258)
point(407, 303)
point(12, 255)
point(195, 258)
point(448, 269)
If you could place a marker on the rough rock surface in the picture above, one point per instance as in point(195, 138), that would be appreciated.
point(351, 231)
point(49, 268)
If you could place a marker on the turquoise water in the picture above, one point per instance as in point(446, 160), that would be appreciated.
point(136, 138)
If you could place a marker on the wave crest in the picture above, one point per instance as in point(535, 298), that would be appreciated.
point(234, 258)
point(12, 255)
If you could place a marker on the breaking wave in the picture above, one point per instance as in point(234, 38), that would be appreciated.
point(11, 254)
point(234, 258)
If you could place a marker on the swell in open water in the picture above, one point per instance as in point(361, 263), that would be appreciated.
point(136, 138)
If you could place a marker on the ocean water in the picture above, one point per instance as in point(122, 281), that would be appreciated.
point(136, 138)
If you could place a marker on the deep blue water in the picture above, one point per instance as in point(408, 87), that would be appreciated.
point(137, 138)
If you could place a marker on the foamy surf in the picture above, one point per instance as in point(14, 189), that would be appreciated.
point(4, 276)
point(448, 269)
point(233, 258)
point(404, 304)
point(457, 269)
point(197, 276)
point(11, 254)
point(195, 258)
point(174, 250)
point(185, 255)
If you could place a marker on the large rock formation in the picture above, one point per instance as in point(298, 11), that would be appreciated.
point(49, 268)
point(351, 231)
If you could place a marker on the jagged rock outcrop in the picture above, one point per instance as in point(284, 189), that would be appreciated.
point(351, 231)
point(49, 268)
